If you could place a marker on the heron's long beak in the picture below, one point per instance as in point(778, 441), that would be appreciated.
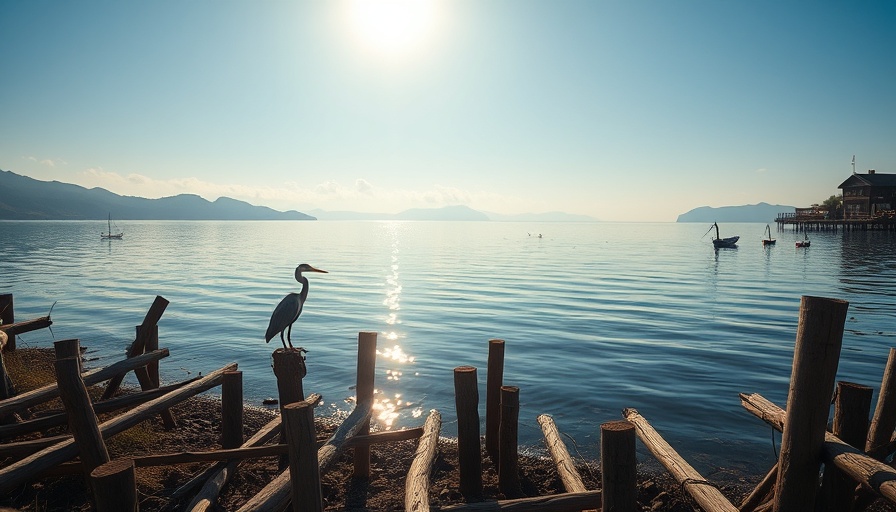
point(312, 269)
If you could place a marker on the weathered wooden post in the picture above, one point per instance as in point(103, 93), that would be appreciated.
point(151, 343)
point(81, 418)
point(69, 348)
point(289, 368)
point(508, 443)
point(7, 389)
point(232, 410)
point(364, 397)
point(469, 452)
point(851, 408)
point(816, 356)
point(416, 490)
point(304, 472)
point(494, 379)
point(138, 347)
point(884, 420)
point(8, 316)
point(618, 463)
point(115, 486)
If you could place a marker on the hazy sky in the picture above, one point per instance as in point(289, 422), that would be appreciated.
point(622, 110)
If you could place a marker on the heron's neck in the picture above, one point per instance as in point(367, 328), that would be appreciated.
point(304, 282)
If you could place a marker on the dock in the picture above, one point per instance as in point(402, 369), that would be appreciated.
point(811, 221)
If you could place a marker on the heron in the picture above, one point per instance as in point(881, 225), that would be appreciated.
point(289, 309)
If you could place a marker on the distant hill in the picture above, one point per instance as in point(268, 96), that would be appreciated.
point(455, 213)
point(762, 212)
point(25, 198)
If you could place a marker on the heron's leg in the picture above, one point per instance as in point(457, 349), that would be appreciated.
point(288, 334)
point(281, 339)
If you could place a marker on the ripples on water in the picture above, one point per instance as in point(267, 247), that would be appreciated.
point(596, 316)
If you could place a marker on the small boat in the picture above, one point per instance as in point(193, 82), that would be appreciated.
point(769, 240)
point(803, 243)
point(109, 235)
point(719, 242)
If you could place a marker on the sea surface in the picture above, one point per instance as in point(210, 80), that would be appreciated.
point(596, 316)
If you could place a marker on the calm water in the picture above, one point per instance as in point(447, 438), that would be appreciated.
point(596, 316)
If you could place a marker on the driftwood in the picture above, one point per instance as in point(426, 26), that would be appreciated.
point(20, 471)
point(865, 470)
point(416, 490)
point(707, 496)
point(56, 417)
point(569, 502)
point(566, 468)
point(92, 377)
point(275, 495)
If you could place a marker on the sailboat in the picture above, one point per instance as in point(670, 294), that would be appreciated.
point(805, 242)
point(769, 240)
point(109, 235)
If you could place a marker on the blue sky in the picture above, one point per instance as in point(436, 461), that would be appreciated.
point(621, 110)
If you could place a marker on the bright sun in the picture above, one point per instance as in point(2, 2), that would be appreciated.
point(392, 28)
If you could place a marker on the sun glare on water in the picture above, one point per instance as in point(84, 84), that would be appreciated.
point(392, 28)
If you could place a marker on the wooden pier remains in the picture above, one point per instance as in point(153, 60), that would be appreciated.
point(851, 452)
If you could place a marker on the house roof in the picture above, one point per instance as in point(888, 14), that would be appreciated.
point(874, 180)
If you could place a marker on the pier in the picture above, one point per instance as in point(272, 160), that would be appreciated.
point(812, 221)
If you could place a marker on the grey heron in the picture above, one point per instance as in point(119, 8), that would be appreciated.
point(289, 309)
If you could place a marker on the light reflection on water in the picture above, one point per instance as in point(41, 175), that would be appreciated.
point(596, 316)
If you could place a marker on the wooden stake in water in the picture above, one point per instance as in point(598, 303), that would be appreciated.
point(469, 452)
point(816, 355)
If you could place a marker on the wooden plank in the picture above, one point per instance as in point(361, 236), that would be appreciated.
point(707, 496)
point(26, 326)
point(416, 489)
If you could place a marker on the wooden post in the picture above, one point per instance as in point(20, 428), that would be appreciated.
point(232, 410)
point(469, 452)
point(884, 420)
point(115, 486)
point(139, 345)
point(289, 368)
point(81, 418)
point(364, 397)
point(851, 408)
point(7, 388)
point(69, 348)
point(508, 454)
point(304, 472)
point(152, 343)
point(494, 379)
point(8, 316)
point(618, 465)
point(816, 356)
point(762, 492)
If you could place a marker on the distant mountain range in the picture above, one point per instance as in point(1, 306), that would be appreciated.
point(24, 198)
point(762, 212)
